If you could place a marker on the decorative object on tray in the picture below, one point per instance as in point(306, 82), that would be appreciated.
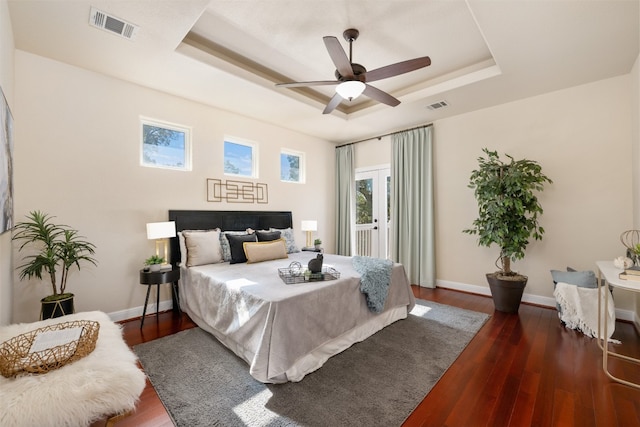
point(48, 348)
point(315, 265)
point(317, 244)
point(59, 248)
point(630, 239)
point(623, 262)
point(231, 191)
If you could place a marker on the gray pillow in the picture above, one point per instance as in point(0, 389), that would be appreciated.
point(583, 279)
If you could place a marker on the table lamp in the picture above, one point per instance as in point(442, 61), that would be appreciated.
point(309, 226)
point(160, 232)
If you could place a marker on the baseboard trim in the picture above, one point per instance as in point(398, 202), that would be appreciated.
point(132, 313)
point(626, 315)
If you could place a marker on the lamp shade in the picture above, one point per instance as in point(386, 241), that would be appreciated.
point(309, 225)
point(161, 230)
point(350, 89)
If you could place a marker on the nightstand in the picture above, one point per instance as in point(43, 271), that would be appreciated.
point(312, 249)
point(158, 278)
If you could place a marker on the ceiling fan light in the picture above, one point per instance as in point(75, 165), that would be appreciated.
point(351, 89)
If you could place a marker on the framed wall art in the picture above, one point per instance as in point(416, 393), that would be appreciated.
point(6, 165)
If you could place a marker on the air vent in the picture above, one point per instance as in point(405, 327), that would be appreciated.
point(438, 105)
point(112, 24)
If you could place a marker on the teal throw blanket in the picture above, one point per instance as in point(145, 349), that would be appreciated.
point(374, 283)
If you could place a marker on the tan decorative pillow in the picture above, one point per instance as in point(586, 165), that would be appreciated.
point(265, 251)
point(203, 247)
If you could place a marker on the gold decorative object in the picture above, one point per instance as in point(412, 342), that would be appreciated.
point(631, 240)
point(17, 356)
point(236, 191)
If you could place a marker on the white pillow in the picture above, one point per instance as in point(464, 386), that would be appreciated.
point(203, 247)
point(183, 246)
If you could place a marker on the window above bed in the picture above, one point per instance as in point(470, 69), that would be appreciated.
point(240, 158)
point(165, 145)
point(292, 166)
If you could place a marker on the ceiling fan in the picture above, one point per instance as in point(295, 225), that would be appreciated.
point(353, 79)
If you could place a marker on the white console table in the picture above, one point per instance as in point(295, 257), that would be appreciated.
point(610, 273)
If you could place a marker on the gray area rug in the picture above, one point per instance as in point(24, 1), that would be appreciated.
point(377, 382)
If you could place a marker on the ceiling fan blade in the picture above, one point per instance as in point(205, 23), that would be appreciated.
point(338, 56)
point(316, 83)
point(397, 69)
point(380, 96)
point(333, 103)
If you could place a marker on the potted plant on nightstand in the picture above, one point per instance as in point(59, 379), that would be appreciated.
point(154, 262)
point(508, 212)
point(317, 244)
point(57, 249)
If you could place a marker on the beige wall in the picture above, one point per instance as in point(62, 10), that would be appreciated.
point(374, 152)
point(6, 83)
point(582, 138)
point(77, 157)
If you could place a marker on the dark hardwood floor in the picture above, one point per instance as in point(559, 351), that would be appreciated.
point(519, 370)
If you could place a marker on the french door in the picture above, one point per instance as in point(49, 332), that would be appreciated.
point(373, 187)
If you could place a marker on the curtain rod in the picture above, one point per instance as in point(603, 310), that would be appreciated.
point(386, 134)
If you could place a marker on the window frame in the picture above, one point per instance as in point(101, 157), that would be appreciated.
point(302, 170)
point(186, 130)
point(254, 156)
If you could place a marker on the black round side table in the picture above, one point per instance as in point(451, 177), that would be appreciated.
point(158, 278)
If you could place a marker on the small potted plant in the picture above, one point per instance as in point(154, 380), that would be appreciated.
point(57, 249)
point(317, 243)
point(508, 212)
point(154, 262)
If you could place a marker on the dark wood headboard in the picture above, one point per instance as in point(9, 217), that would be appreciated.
point(225, 221)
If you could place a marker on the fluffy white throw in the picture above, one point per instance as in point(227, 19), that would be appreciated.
point(579, 309)
point(105, 382)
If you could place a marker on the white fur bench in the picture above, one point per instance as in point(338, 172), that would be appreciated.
point(105, 382)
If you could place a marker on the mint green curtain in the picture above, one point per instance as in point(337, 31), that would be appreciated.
point(412, 223)
point(345, 200)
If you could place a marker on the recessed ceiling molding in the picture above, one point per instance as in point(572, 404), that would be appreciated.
point(210, 53)
point(206, 51)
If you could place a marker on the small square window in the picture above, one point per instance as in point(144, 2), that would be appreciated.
point(165, 145)
point(292, 166)
point(240, 158)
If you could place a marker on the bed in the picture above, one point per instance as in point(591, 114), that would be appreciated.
point(283, 331)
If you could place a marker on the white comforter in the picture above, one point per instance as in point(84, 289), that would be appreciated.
point(286, 331)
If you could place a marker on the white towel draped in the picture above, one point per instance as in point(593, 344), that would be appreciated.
point(579, 309)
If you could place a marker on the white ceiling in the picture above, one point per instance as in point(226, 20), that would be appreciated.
point(230, 53)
